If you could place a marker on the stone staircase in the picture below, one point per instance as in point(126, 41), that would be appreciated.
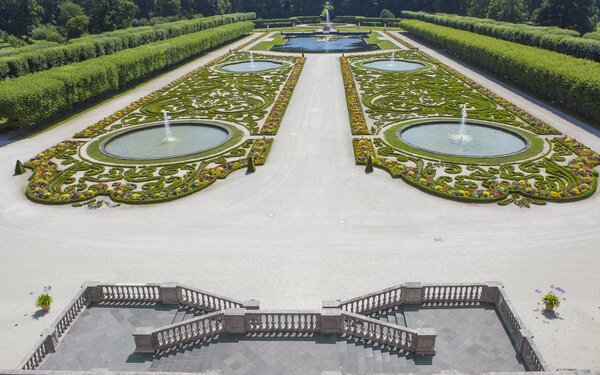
point(186, 313)
point(394, 315)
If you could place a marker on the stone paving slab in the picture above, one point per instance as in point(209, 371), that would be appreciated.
point(101, 338)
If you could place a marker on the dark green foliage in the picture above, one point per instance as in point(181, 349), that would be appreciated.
point(32, 98)
point(386, 14)
point(68, 10)
point(507, 10)
point(168, 7)
point(251, 166)
point(19, 168)
point(572, 82)
point(77, 26)
point(369, 167)
point(365, 21)
point(19, 17)
point(112, 14)
point(550, 38)
point(93, 46)
point(567, 14)
point(285, 22)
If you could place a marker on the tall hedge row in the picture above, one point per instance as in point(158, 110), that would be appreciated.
point(551, 38)
point(366, 21)
point(107, 43)
point(285, 22)
point(38, 96)
point(568, 80)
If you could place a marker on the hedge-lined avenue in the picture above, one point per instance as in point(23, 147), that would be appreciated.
point(38, 96)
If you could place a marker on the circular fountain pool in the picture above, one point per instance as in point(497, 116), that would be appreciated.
point(394, 66)
point(151, 143)
point(251, 66)
point(476, 140)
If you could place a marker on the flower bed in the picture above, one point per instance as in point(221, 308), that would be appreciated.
point(67, 174)
point(555, 169)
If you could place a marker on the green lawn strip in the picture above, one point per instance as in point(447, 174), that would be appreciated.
point(374, 38)
point(278, 39)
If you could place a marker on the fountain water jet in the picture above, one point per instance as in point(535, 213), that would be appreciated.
point(461, 137)
point(252, 59)
point(392, 59)
point(168, 136)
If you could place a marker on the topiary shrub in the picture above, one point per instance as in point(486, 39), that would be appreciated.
point(386, 14)
point(369, 167)
point(19, 168)
point(251, 166)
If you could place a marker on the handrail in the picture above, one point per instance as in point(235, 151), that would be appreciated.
point(188, 331)
point(193, 297)
point(453, 293)
point(129, 293)
point(382, 332)
point(283, 321)
point(47, 344)
point(375, 301)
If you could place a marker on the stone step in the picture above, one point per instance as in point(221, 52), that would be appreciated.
point(185, 313)
point(393, 315)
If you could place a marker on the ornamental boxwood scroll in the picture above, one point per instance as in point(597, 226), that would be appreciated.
point(251, 104)
point(555, 168)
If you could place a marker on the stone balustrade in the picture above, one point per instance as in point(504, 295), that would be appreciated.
point(449, 294)
point(147, 340)
point(204, 300)
point(329, 320)
point(93, 292)
point(209, 372)
point(336, 317)
point(49, 340)
point(374, 301)
point(283, 321)
point(382, 332)
point(418, 294)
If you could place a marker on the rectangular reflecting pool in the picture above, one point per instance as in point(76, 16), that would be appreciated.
point(325, 44)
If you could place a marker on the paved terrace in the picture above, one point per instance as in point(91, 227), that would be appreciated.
point(470, 340)
point(308, 225)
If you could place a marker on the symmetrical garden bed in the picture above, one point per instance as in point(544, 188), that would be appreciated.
point(249, 105)
point(552, 168)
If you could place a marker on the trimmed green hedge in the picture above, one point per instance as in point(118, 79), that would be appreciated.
point(367, 21)
point(107, 43)
point(551, 38)
point(285, 22)
point(572, 82)
point(38, 96)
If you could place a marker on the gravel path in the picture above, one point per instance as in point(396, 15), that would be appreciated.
point(308, 226)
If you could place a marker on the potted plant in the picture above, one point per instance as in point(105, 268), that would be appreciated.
point(44, 301)
point(551, 301)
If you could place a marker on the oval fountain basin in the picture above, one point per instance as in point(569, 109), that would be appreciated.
point(250, 67)
point(394, 66)
point(478, 140)
point(149, 143)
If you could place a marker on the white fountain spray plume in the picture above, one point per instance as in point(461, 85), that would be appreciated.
point(392, 59)
point(461, 137)
point(168, 136)
point(463, 120)
point(252, 59)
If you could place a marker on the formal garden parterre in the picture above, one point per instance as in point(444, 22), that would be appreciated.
point(382, 104)
point(249, 105)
